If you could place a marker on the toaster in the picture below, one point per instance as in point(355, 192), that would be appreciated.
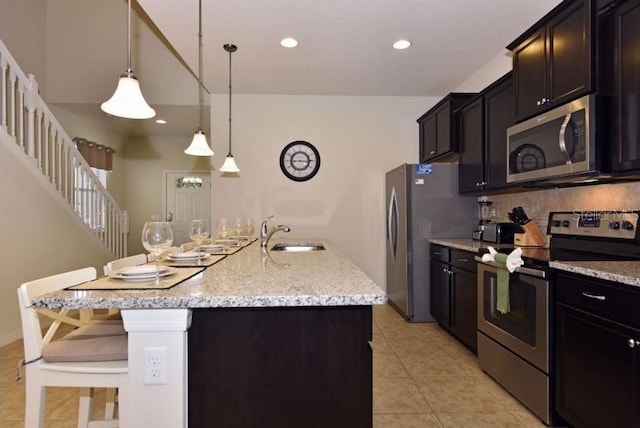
point(500, 232)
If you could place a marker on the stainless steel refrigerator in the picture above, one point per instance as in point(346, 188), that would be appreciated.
point(422, 203)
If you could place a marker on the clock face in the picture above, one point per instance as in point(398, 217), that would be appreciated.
point(300, 161)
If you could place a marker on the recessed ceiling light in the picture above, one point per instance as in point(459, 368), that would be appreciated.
point(401, 44)
point(288, 42)
point(161, 121)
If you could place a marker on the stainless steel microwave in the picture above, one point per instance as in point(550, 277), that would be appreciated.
point(560, 142)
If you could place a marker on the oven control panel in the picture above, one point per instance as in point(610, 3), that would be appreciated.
point(601, 224)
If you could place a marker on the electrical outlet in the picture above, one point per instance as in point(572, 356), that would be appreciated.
point(155, 366)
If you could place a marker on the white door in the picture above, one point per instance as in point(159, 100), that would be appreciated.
point(188, 197)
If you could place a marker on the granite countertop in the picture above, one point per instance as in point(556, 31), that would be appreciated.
point(466, 244)
point(249, 278)
point(625, 272)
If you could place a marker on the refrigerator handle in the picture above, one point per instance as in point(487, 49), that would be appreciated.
point(392, 224)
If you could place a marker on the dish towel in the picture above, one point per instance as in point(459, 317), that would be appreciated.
point(511, 262)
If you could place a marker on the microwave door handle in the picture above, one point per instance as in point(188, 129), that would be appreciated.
point(392, 224)
point(562, 143)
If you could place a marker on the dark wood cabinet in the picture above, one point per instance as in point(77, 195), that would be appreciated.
point(483, 138)
point(440, 293)
point(438, 128)
point(597, 352)
point(454, 293)
point(625, 27)
point(280, 367)
point(472, 146)
point(464, 304)
point(440, 287)
point(554, 59)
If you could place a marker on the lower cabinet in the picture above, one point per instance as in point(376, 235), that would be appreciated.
point(280, 367)
point(454, 293)
point(597, 353)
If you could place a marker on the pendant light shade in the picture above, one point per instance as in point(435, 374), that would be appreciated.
point(229, 163)
point(199, 145)
point(127, 101)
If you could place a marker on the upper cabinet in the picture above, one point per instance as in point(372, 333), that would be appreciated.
point(553, 60)
point(623, 74)
point(438, 128)
point(483, 138)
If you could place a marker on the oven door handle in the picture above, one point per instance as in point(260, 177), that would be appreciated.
point(520, 270)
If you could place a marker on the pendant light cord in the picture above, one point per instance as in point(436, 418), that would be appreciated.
point(200, 65)
point(230, 51)
point(129, 69)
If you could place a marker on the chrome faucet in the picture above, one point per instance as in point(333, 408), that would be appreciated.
point(266, 233)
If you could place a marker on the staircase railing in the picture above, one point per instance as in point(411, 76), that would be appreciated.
point(26, 118)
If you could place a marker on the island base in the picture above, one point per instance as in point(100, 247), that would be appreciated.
point(280, 367)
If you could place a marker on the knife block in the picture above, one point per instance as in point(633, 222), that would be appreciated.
point(532, 237)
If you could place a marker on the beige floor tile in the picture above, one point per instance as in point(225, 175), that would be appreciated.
point(496, 419)
point(430, 364)
point(509, 401)
point(387, 364)
point(457, 394)
point(397, 395)
point(407, 420)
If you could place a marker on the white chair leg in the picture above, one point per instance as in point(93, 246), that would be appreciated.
point(84, 411)
point(110, 406)
point(35, 400)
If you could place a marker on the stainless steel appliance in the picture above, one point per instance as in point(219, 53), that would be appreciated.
point(500, 232)
point(422, 202)
point(560, 142)
point(514, 346)
point(485, 214)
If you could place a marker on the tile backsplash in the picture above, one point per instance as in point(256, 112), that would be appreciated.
point(538, 204)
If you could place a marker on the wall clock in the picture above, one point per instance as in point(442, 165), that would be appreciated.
point(300, 161)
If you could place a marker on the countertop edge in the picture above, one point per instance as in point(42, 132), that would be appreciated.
point(627, 272)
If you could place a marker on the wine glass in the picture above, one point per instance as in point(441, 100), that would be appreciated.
point(245, 226)
point(238, 226)
point(157, 237)
point(198, 232)
point(223, 228)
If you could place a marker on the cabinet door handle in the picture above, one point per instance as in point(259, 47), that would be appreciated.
point(593, 296)
point(463, 260)
point(432, 152)
point(437, 253)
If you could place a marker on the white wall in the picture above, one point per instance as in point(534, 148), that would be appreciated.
point(146, 158)
point(41, 236)
point(359, 139)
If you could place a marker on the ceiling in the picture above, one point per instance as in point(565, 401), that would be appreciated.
point(345, 48)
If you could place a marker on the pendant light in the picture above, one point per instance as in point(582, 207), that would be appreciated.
point(229, 163)
point(127, 101)
point(199, 145)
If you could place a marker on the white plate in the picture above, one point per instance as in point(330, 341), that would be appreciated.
point(140, 270)
point(227, 242)
point(213, 249)
point(239, 238)
point(164, 271)
point(188, 255)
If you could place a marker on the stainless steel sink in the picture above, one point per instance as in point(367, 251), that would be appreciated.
point(297, 246)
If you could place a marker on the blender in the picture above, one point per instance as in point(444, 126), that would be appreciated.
point(485, 214)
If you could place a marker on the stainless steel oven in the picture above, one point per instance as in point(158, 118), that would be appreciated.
point(513, 346)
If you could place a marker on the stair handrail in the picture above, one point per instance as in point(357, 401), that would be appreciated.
point(27, 119)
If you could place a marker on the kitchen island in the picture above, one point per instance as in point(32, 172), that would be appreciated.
point(261, 338)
